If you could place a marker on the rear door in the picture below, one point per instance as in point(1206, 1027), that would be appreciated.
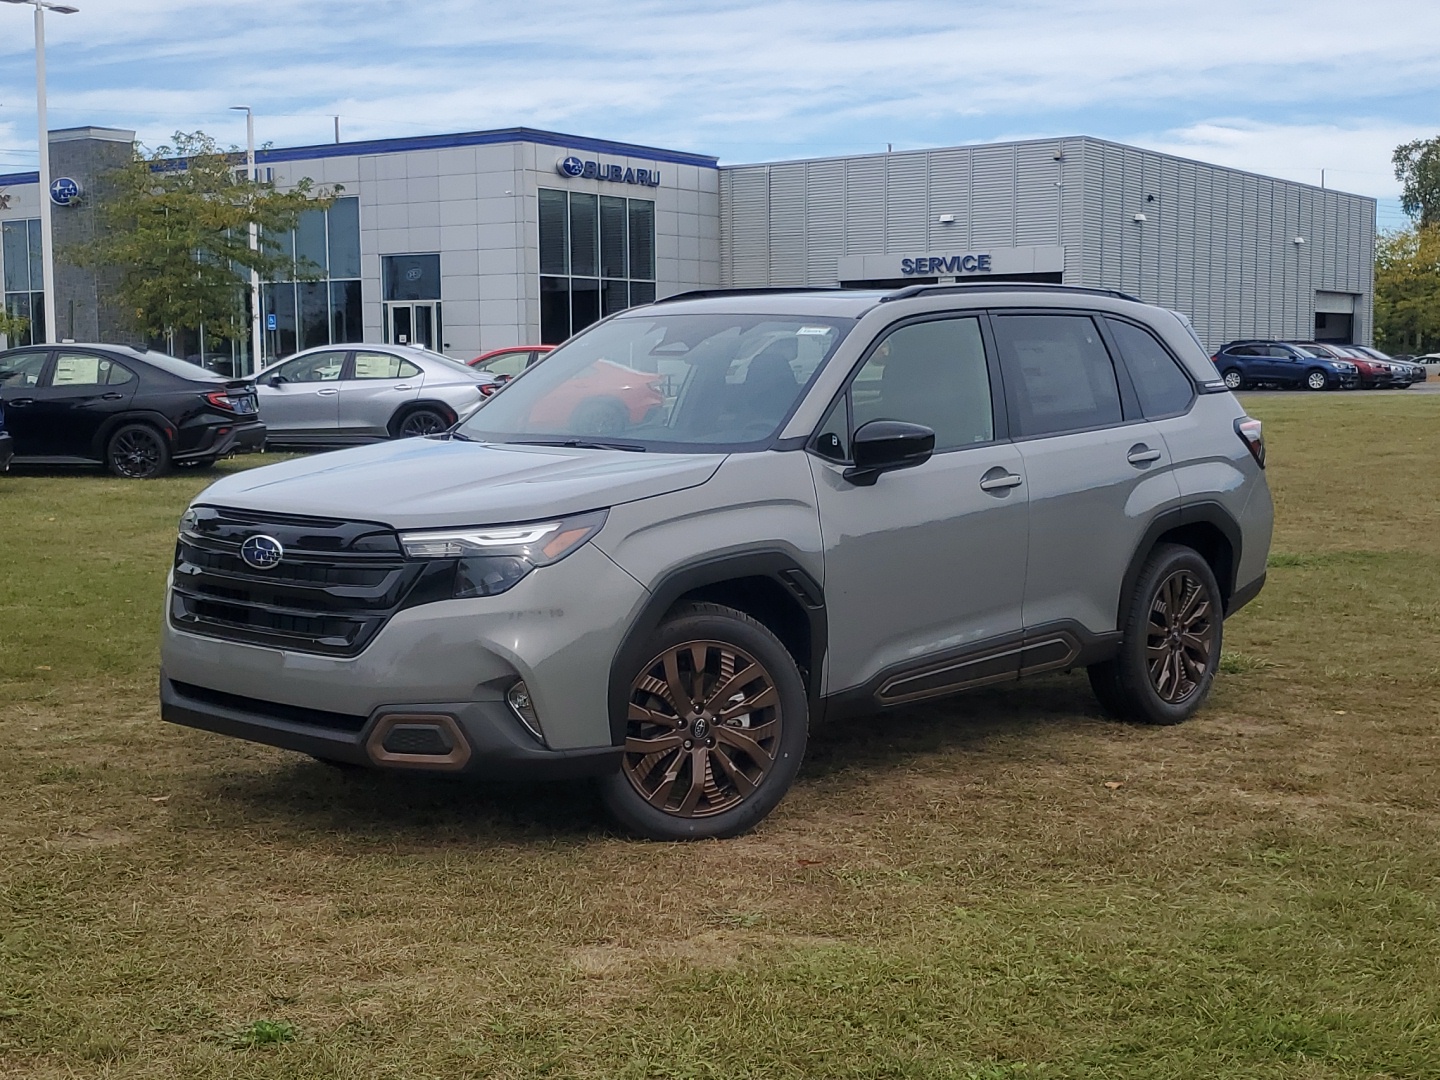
point(302, 400)
point(1098, 472)
point(373, 389)
point(927, 562)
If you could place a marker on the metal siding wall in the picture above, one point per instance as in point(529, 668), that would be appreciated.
point(1037, 198)
point(746, 221)
point(992, 200)
point(787, 224)
point(864, 206)
point(907, 201)
point(949, 194)
point(824, 220)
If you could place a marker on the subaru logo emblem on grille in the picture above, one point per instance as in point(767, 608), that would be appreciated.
point(262, 552)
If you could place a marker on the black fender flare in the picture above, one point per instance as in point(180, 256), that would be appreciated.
point(139, 416)
point(422, 403)
point(1205, 512)
point(773, 564)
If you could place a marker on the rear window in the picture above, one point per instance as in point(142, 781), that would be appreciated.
point(1060, 371)
point(1162, 387)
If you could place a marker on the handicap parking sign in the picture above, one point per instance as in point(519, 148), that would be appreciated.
point(270, 322)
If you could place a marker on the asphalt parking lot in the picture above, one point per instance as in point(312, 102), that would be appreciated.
point(1431, 386)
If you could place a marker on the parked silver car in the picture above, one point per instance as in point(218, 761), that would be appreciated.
point(362, 393)
point(844, 501)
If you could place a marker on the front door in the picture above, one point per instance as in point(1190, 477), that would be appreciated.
point(927, 563)
point(84, 391)
point(299, 396)
point(416, 323)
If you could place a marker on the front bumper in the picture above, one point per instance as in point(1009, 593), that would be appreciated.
point(558, 630)
point(474, 738)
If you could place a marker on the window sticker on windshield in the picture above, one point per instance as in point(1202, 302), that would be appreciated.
point(813, 330)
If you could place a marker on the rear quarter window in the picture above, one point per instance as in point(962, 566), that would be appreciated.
point(1160, 384)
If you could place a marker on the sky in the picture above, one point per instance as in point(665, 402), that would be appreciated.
point(1281, 88)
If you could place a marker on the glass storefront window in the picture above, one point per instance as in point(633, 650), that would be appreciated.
point(597, 257)
point(323, 311)
point(23, 278)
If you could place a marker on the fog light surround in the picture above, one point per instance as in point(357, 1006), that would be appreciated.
point(518, 697)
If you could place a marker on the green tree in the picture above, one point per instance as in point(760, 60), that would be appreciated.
point(174, 235)
point(1417, 167)
point(12, 326)
point(1407, 290)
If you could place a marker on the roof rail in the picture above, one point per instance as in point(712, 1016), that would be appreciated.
point(762, 290)
point(1002, 286)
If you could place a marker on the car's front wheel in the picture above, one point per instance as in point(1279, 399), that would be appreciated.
point(715, 728)
point(1170, 647)
point(1317, 380)
point(137, 452)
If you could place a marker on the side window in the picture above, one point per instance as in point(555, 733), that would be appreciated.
point(80, 369)
point(509, 364)
point(1058, 373)
point(379, 365)
point(22, 370)
point(1163, 388)
point(119, 375)
point(1245, 350)
point(319, 367)
point(930, 373)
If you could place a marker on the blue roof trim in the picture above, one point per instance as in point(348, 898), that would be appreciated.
point(11, 179)
point(484, 138)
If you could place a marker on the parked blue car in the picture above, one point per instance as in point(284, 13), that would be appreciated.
point(1278, 363)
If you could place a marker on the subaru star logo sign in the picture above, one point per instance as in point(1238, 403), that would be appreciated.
point(64, 191)
point(262, 552)
point(578, 169)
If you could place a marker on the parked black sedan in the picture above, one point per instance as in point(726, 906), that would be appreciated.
point(134, 411)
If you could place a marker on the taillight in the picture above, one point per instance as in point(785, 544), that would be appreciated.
point(221, 400)
point(1249, 430)
point(486, 389)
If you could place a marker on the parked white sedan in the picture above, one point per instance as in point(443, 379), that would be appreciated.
point(344, 394)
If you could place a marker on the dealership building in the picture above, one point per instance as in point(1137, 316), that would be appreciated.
point(474, 241)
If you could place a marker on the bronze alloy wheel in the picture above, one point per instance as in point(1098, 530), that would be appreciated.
point(703, 726)
point(1180, 637)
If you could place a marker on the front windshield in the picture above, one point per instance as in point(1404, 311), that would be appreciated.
point(667, 382)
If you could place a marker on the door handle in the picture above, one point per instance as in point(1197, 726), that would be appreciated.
point(1000, 483)
point(111, 397)
point(20, 403)
point(1140, 454)
point(327, 392)
point(403, 386)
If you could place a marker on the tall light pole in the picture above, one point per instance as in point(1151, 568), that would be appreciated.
point(47, 242)
point(256, 340)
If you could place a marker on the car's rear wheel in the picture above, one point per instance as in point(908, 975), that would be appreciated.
point(421, 421)
point(715, 728)
point(1233, 379)
point(1317, 380)
point(137, 452)
point(1170, 648)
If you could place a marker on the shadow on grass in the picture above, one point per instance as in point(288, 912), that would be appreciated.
point(308, 796)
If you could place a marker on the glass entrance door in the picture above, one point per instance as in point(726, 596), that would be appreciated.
point(415, 323)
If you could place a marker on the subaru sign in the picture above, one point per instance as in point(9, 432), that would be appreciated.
point(946, 264)
point(64, 191)
point(577, 169)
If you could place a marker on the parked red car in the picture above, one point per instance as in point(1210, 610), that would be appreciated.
point(609, 399)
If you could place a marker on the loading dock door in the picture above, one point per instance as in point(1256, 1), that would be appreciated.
point(1335, 317)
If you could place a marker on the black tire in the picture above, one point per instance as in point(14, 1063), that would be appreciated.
point(1166, 665)
point(1233, 379)
point(746, 760)
point(1316, 379)
point(423, 420)
point(600, 416)
point(137, 452)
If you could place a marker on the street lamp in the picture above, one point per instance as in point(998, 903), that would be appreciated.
point(255, 338)
point(47, 243)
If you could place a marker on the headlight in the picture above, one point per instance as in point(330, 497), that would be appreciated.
point(492, 560)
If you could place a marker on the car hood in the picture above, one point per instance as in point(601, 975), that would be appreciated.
point(422, 483)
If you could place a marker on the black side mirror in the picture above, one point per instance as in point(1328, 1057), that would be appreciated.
point(276, 379)
point(886, 445)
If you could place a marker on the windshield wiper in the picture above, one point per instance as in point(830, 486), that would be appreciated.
point(458, 435)
point(580, 444)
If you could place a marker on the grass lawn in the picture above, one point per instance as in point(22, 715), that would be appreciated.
point(1005, 885)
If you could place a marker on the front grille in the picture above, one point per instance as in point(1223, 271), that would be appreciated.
point(336, 586)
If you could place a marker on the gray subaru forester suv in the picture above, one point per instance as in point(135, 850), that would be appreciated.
point(792, 504)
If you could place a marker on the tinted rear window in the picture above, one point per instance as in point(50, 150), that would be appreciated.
point(1162, 387)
